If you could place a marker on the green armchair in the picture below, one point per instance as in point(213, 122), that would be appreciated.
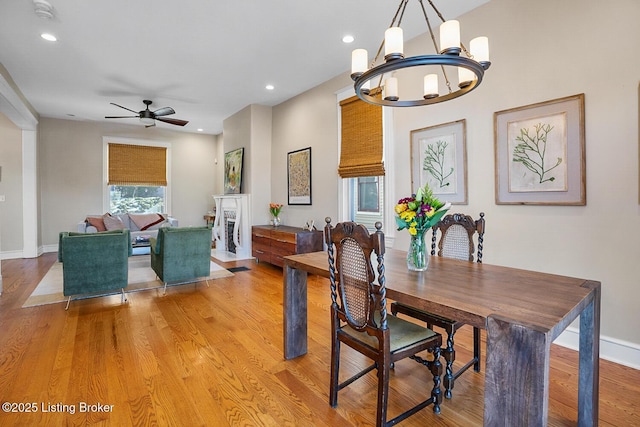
point(181, 254)
point(94, 263)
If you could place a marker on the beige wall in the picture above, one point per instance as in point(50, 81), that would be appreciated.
point(540, 51)
point(250, 129)
point(10, 186)
point(71, 172)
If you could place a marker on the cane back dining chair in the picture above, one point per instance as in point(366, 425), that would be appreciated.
point(360, 320)
point(456, 241)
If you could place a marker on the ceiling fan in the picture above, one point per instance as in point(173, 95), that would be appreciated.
point(149, 117)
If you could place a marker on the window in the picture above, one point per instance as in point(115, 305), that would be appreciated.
point(367, 206)
point(136, 176)
point(136, 199)
point(368, 194)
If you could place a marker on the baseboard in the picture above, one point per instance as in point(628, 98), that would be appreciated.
point(612, 349)
point(11, 254)
point(49, 248)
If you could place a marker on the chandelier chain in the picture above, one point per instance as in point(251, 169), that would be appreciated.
point(433, 39)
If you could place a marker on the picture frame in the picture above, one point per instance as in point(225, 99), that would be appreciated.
point(233, 171)
point(540, 153)
point(439, 158)
point(299, 177)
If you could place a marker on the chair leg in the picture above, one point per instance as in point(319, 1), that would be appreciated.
point(476, 349)
point(436, 371)
point(68, 302)
point(335, 368)
point(383, 393)
point(450, 357)
point(207, 282)
point(165, 288)
point(124, 296)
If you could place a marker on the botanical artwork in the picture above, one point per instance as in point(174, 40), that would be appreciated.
point(540, 153)
point(233, 171)
point(299, 176)
point(538, 149)
point(438, 160)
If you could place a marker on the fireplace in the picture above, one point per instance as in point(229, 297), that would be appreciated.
point(231, 229)
point(230, 245)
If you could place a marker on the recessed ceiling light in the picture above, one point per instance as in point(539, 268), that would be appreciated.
point(49, 37)
point(348, 39)
point(200, 130)
point(269, 87)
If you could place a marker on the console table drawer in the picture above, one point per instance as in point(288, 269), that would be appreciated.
point(270, 244)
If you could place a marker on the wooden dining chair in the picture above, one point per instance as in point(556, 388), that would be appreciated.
point(360, 320)
point(456, 241)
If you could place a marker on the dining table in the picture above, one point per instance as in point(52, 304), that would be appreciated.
point(522, 312)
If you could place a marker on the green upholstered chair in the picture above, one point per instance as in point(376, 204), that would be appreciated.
point(95, 263)
point(181, 254)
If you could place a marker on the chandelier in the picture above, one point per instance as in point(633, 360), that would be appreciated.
point(378, 84)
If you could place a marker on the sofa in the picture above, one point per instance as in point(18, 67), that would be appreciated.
point(141, 226)
point(94, 263)
point(181, 254)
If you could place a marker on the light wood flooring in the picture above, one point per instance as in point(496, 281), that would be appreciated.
point(213, 357)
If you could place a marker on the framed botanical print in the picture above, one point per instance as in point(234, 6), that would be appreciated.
point(439, 159)
point(299, 177)
point(540, 153)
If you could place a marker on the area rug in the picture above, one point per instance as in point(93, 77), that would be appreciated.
point(141, 277)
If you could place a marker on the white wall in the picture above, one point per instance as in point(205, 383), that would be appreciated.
point(540, 51)
point(10, 185)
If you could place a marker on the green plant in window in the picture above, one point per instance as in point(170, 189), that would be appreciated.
point(434, 163)
point(531, 150)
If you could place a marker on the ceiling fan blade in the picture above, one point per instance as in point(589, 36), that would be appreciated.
point(121, 117)
point(176, 122)
point(165, 111)
point(128, 109)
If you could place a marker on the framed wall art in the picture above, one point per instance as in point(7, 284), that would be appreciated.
point(233, 171)
point(540, 153)
point(439, 158)
point(299, 177)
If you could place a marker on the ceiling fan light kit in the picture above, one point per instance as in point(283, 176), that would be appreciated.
point(378, 84)
point(148, 117)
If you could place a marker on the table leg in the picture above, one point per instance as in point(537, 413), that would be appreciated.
point(295, 312)
point(517, 374)
point(589, 367)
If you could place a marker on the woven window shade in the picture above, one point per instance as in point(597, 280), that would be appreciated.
point(137, 165)
point(362, 148)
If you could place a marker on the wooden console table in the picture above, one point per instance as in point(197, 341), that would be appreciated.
point(522, 311)
point(270, 244)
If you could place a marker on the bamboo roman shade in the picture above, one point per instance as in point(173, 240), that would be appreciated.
point(137, 165)
point(362, 148)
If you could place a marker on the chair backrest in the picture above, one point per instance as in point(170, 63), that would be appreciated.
point(456, 237)
point(354, 294)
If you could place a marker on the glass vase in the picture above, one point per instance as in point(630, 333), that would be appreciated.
point(276, 221)
point(417, 256)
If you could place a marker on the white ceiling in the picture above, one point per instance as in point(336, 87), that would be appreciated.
point(206, 59)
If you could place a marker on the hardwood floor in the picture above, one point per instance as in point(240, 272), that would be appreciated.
point(213, 357)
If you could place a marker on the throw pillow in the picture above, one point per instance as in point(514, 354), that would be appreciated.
point(113, 222)
point(147, 221)
point(97, 222)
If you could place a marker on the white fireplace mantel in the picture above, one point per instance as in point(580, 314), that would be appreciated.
point(232, 208)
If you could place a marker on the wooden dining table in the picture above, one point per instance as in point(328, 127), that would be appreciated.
point(522, 312)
